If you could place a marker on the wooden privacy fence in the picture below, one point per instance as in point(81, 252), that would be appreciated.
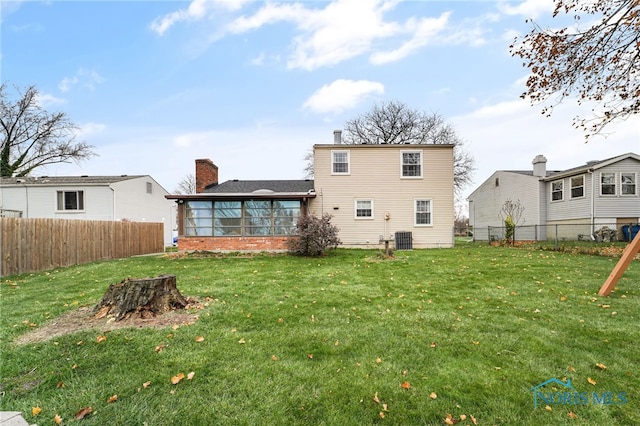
point(30, 245)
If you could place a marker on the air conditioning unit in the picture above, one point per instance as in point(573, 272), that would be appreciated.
point(404, 241)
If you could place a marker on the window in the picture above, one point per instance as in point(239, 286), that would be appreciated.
point(149, 188)
point(339, 162)
point(556, 191)
point(628, 183)
point(70, 200)
point(238, 218)
point(198, 218)
point(227, 218)
point(411, 164)
point(364, 209)
point(423, 212)
point(497, 181)
point(577, 187)
point(607, 183)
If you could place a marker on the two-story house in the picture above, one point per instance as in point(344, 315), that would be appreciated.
point(386, 191)
point(136, 198)
point(373, 192)
point(570, 204)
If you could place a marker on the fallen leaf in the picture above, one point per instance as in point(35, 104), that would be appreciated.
point(74, 366)
point(83, 413)
point(176, 379)
point(601, 366)
point(35, 411)
point(548, 408)
point(381, 414)
point(433, 344)
point(200, 339)
point(112, 399)
point(241, 341)
point(146, 385)
point(101, 338)
point(274, 358)
point(160, 347)
point(190, 375)
point(378, 360)
point(60, 385)
point(310, 356)
point(570, 368)
point(433, 395)
point(590, 380)
point(572, 415)
point(476, 343)
point(449, 420)
point(463, 417)
point(473, 420)
point(376, 399)
point(405, 385)
point(57, 419)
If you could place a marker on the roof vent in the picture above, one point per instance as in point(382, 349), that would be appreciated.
point(591, 163)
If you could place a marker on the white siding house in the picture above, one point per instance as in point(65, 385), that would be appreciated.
point(377, 191)
point(572, 202)
point(110, 198)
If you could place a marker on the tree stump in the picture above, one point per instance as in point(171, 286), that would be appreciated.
point(142, 296)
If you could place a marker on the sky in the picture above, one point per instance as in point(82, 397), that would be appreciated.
point(253, 85)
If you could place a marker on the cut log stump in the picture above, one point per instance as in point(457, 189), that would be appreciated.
point(143, 297)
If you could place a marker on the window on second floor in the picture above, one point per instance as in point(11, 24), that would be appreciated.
point(411, 164)
point(557, 190)
point(577, 187)
point(628, 183)
point(364, 209)
point(70, 200)
point(339, 162)
point(607, 184)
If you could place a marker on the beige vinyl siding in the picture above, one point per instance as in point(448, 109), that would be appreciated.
point(375, 174)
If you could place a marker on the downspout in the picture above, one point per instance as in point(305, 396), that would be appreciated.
point(113, 198)
point(593, 196)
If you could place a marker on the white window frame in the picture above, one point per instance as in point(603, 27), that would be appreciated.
point(614, 183)
point(355, 208)
point(635, 184)
point(577, 186)
point(412, 151)
point(415, 212)
point(561, 182)
point(60, 201)
point(333, 162)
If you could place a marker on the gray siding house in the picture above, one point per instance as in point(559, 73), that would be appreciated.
point(570, 204)
point(112, 198)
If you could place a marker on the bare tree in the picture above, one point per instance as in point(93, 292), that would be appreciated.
point(187, 185)
point(394, 122)
point(600, 63)
point(33, 137)
point(511, 213)
point(308, 171)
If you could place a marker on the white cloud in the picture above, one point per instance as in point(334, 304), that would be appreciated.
point(46, 99)
point(342, 95)
point(85, 78)
point(423, 32)
point(198, 9)
point(529, 8)
point(89, 129)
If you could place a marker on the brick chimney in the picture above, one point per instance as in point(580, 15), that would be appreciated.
point(206, 174)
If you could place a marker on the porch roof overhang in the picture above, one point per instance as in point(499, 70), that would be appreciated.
point(212, 196)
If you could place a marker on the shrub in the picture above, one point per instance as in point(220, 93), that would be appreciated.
point(314, 235)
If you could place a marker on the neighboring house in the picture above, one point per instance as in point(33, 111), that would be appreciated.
point(568, 204)
point(373, 192)
point(109, 198)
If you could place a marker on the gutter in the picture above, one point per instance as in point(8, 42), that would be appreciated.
point(243, 195)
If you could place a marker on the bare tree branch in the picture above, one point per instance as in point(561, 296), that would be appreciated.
point(33, 137)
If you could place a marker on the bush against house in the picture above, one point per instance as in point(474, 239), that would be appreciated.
point(314, 235)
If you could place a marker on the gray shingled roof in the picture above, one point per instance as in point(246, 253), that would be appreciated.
point(250, 186)
point(66, 180)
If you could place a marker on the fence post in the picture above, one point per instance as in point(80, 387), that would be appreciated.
point(556, 242)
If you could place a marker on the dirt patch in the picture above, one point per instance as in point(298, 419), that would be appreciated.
point(85, 319)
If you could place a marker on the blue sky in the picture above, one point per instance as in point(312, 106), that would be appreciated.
point(252, 85)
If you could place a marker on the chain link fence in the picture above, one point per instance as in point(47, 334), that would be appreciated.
point(595, 232)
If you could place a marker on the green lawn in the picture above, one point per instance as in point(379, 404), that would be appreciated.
point(347, 339)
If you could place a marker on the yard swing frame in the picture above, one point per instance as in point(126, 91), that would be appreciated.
point(627, 256)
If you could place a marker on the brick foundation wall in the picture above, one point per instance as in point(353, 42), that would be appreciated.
point(232, 243)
